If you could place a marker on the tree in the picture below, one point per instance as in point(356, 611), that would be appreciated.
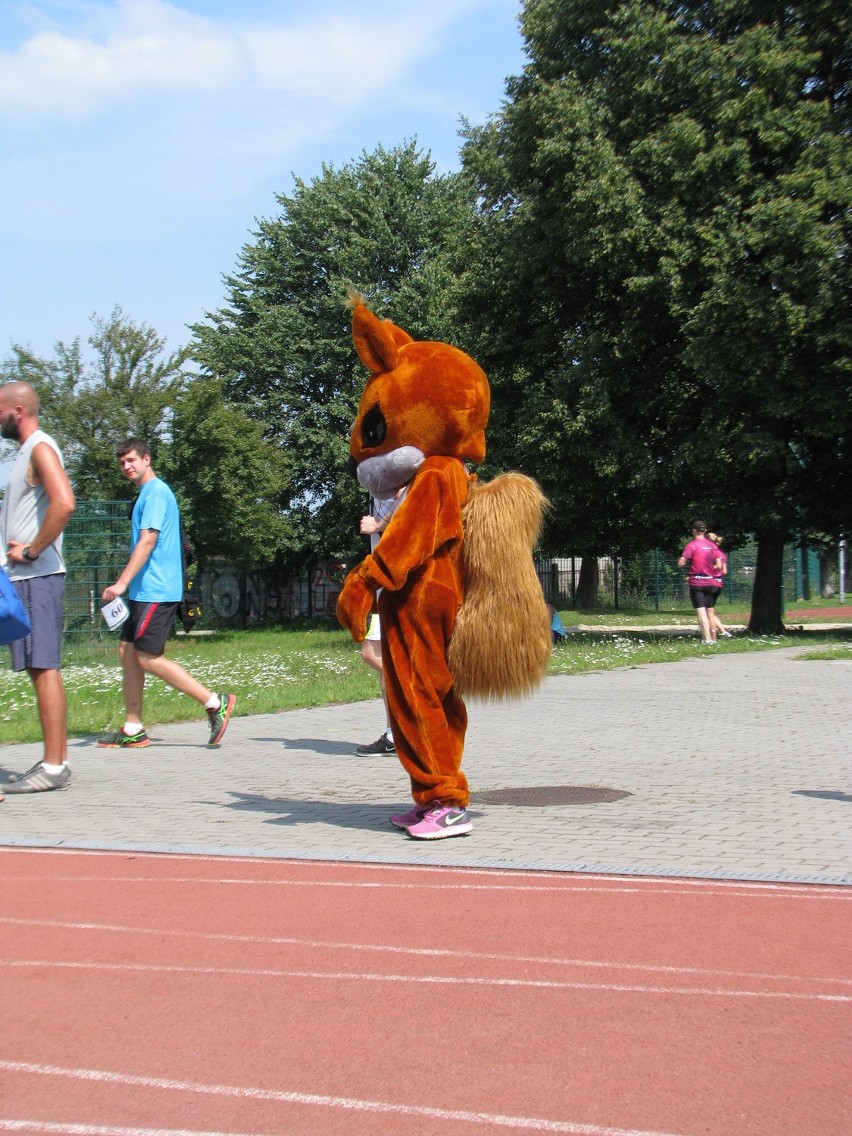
point(660, 291)
point(127, 386)
point(228, 478)
point(283, 344)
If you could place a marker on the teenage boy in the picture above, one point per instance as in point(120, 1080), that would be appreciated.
point(153, 580)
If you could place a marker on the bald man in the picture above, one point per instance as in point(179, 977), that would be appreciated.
point(38, 503)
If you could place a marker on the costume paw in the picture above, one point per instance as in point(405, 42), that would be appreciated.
point(354, 605)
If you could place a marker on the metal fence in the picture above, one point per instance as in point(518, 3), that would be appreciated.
point(97, 543)
point(653, 580)
point(96, 546)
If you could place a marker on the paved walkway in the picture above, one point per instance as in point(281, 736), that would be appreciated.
point(731, 766)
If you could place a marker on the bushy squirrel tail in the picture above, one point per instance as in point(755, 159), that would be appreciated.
point(501, 641)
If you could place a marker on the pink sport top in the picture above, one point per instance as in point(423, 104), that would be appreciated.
point(700, 554)
point(719, 572)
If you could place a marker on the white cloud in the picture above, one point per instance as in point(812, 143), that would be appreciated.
point(136, 50)
point(139, 139)
point(143, 101)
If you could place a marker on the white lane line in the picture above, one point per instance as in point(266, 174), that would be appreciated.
point(568, 878)
point(820, 891)
point(433, 979)
point(52, 1126)
point(417, 952)
point(532, 1124)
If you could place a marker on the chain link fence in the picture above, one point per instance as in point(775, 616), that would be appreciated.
point(652, 580)
point(96, 546)
point(97, 543)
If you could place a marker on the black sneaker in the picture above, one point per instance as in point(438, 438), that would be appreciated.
point(377, 749)
point(117, 739)
point(219, 719)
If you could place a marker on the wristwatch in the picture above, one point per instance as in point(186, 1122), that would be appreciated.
point(27, 555)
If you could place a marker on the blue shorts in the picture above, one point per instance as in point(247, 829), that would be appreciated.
point(41, 650)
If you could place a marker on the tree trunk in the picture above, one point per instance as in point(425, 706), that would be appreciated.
point(765, 618)
point(587, 587)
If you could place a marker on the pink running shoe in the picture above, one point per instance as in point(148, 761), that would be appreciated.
point(441, 820)
point(405, 820)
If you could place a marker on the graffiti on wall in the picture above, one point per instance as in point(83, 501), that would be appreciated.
point(250, 596)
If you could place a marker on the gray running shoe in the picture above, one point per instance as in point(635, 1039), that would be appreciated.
point(39, 781)
point(11, 778)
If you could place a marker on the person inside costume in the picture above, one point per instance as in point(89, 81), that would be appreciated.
point(421, 418)
point(422, 414)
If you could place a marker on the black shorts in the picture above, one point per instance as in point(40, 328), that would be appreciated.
point(703, 597)
point(149, 625)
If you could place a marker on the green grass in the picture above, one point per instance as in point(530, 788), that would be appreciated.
point(840, 651)
point(682, 615)
point(602, 651)
point(284, 668)
point(270, 670)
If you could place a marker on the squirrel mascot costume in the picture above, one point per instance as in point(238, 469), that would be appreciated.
point(461, 608)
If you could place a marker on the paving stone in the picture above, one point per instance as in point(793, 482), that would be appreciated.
point(737, 766)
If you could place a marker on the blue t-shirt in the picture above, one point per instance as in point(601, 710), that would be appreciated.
point(161, 579)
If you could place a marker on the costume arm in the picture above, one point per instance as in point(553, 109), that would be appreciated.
point(428, 519)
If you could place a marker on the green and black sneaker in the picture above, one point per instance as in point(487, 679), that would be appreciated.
point(117, 739)
point(220, 718)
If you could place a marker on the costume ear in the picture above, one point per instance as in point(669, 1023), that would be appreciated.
point(376, 341)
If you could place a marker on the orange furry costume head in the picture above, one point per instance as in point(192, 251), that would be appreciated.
point(422, 400)
point(422, 413)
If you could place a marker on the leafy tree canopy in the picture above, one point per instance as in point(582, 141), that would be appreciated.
point(228, 478)
point(283, 344)
point(662, 204)
point(126, 385)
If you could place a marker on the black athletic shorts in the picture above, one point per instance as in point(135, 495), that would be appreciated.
point(703, 597)
point(149, 625)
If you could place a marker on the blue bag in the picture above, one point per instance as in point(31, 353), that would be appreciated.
point(13, 619)
point(557, 628)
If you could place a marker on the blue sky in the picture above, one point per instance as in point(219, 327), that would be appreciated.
point(141, 139)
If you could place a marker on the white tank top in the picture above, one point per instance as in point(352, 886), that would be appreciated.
point(24, 507)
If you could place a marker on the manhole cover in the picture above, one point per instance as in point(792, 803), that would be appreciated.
point(550, 795)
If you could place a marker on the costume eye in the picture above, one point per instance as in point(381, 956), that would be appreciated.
point(373, 427)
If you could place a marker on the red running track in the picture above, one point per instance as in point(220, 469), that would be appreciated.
point(154, 993)
point(826, 614)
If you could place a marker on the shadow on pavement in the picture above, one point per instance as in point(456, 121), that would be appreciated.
point(341, 814)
